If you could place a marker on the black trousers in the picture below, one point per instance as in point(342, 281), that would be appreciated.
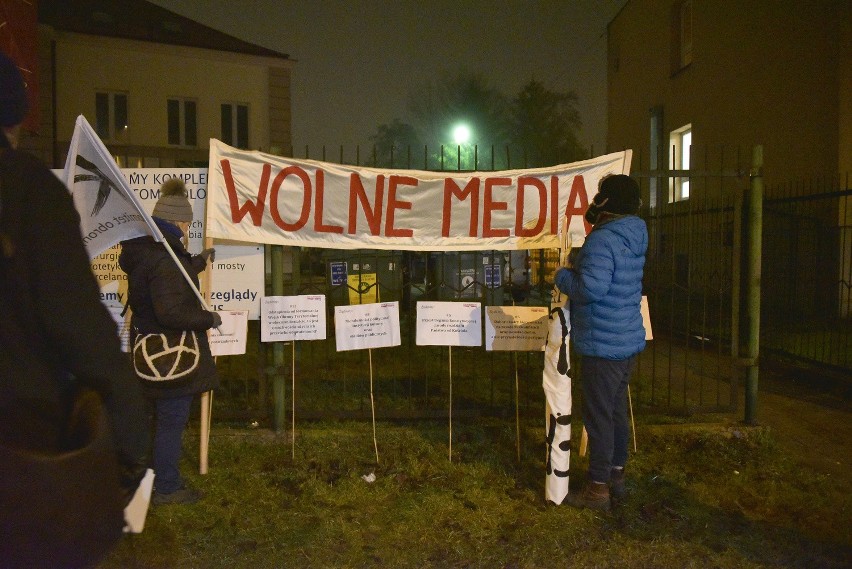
point(605, 413)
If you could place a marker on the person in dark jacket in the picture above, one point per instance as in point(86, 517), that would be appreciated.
point(57, 340)
point(162, 301)
point(604, 288)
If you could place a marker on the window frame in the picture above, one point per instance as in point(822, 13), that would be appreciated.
point(114, 113)
point(239, 132)
point(185, 121)
point(680, 142)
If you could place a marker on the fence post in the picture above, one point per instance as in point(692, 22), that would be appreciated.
point(752, 296)
point(278, 383)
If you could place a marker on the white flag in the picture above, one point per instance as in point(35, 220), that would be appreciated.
point(109, 210)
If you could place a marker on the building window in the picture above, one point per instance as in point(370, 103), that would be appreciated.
point(681, 35)
point(235, 128)
point(111, 115)
point(183, 127)
point(680, 142)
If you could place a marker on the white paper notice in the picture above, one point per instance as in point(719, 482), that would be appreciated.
point(137, 510)
point(230, 338)
point(287, 318)
point(449, 324)
point(364, 326)
point(516, 328)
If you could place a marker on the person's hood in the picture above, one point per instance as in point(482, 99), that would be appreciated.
point(632, 231)
point(134, 252)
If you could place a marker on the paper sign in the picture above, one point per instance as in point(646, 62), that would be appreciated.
point(230, 338)
point(646, 318)
point(515, 328)
point(363, 288)
point(449, 324)
point(286, 318)
point(137, 509)
point(366, 326)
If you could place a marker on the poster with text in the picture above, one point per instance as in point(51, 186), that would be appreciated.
point(236, 279)
point(365, 326)
point(230, 338)
point(449, 323)
point(516, 328)
point(287, 318)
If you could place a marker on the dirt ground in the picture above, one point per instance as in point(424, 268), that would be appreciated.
point(814, 426)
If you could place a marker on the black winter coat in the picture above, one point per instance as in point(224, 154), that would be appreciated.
point(162, 301)
point(54, 331)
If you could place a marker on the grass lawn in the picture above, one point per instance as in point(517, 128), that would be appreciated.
point(702, 495)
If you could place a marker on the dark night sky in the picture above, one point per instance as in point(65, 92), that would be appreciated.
point(358, 61)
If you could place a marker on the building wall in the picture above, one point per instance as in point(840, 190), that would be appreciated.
point(765, 72)
point(150, 74)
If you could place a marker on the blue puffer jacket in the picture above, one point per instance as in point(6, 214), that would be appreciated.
point(605, 289)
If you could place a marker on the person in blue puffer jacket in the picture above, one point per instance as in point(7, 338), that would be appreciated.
point(604, 287)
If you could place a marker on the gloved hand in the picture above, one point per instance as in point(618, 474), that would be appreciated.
point(208, 254)
point(217, 320)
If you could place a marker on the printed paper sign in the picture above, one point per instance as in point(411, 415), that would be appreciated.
point(286, 318)
point(364, 326)
point(515, 328)
point(363, 289)
point(449, 324)
point(230, 338)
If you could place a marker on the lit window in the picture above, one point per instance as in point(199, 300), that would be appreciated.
point(182, 122)
point(681, 145)
point(235, 129)
point(111, 115)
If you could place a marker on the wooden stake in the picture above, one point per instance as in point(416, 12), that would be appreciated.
point(450, 455)
point(517, 410)
point(293, 414)
point(373, 404)
point(632, 424)
point(584, 441)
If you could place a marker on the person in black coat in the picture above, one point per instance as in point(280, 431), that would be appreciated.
point(57, 341)
point(163, 303)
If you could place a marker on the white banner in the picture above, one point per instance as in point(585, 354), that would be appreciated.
point(262, 198)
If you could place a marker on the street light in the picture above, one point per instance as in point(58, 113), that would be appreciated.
point(461, 134)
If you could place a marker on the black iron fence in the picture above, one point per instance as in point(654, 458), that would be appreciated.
point(693, 282)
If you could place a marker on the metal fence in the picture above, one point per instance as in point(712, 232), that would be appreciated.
point(692, 279)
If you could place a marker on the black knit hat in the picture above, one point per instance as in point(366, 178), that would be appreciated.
point(619, 194)
point(173, 204)
point(13, 94)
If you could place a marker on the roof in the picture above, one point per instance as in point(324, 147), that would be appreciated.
point(142, 21)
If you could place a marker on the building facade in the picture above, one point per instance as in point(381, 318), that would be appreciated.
point(155, 86)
